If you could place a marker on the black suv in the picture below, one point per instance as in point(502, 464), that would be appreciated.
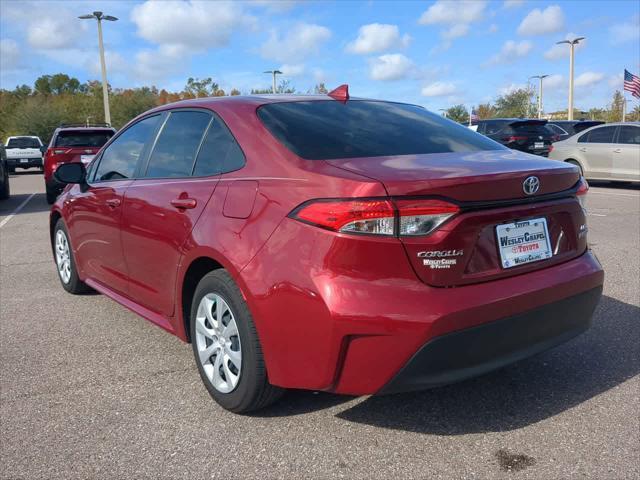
point(566, 128)
point(526, 135)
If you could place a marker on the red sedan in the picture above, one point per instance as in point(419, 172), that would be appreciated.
point(320, 242)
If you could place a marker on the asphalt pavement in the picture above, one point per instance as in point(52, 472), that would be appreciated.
point(90, 390)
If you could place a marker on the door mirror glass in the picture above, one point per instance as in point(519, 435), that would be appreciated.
point(70, 173)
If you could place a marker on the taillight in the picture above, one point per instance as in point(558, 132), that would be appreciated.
point(513, 138)
point(550, 148)
point(59, 152)
point(581, 194)
point(377, 216)
point(421, 217)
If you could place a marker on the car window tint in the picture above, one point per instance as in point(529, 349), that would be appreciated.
point(219, 152)
point(177, 145)
point(494, 126)
point(629, 135)
point(121, 157)
point(556, 129)
point(602, 135)
point(85, 138)
point(23, 142)
point(328, 129)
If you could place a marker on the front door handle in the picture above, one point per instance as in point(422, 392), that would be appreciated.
point(582, 149)
point(617, 150)
point(113, 202)
point(182, 203)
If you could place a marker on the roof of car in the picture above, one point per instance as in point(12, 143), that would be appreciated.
point(108, 129)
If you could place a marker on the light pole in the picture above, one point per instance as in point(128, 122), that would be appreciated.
point(539, 77)
point(572, 44)
point(99, 16)
point(274, 73)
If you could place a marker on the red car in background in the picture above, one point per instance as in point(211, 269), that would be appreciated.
point(320, 242)
point(72, 143)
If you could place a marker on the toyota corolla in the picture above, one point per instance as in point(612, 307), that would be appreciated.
point(329, 243)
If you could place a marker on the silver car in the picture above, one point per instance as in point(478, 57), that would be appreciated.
point(605, 152)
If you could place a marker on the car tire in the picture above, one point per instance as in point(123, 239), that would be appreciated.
point(576, 164)
point(226, 346)
point(51, 197)
point(5, 190)
point(65, 263)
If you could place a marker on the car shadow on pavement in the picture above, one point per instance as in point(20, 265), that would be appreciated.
point(37, 204)
point(524, 393)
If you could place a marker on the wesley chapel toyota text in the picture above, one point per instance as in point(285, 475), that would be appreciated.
point(320, 242)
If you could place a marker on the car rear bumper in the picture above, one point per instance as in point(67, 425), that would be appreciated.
point(24, 162)
point(474, 351)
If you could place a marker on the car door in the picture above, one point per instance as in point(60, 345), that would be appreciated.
point(595, 148)
point(96, 211)
point(162, 207)
point(626, 154)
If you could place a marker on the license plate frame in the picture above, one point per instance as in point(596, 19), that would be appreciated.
point(523, 242)
point(24, 160)
point(86, 159)
point(538, 145)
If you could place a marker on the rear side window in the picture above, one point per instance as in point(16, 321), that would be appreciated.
point(494, 126)
point(177, 145)
point(86, 138)
point(556, 129)
point(23, 142)
point(601, 135)
point(329, 129)
point(219, 153)
point(121, 157)
point(629, 135)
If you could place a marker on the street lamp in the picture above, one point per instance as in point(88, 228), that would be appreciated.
point(99, 16)
point(572, 44)
point(274, 73)
point(539, 77)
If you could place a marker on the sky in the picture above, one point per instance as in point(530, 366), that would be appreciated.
point(435, 54)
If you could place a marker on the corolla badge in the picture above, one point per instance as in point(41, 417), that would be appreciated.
point(531, 185)
point(440, 259)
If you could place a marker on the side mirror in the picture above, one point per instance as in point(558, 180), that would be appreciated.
point(70, 173)
point(43, 149)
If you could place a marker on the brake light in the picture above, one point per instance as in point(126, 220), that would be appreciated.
point(550, 148)
point(59, 152)
point(581, 194)
point(514, 138)
point(377, 216)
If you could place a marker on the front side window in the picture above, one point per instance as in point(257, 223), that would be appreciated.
point(120, 159)
point(177, 145)
point(602, 135)
point(328, 129)
point(629, 135)
point(220, 153)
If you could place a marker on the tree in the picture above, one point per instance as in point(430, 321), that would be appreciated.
point(458, 113)
point(485, 110)
point(515, 104)
point(615, 108)
point(234, 92)
point(634, 115)
point(283, 87)
point(320, 88)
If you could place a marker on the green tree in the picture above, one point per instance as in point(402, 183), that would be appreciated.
point(283, 87)
point(457, 113)
point(234, 92)
point(320, 88)
point(615, 108)
point(485, 110)
point(515, 104)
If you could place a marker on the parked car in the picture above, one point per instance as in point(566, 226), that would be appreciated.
point(565, 128)
point(605, 152)
point(72, 143)
point(24, 152)
point(317, 242)
point(526, 135)
point(5, 190)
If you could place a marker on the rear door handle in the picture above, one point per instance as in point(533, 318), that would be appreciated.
point(617, 150)
point(582, 149)
point(182, 203)
point(113, 202)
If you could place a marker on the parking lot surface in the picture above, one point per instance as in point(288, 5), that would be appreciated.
point(90, 390)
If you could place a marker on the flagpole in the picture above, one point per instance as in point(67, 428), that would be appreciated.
point(624, 100)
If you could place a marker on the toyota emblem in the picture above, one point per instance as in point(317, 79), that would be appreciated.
point(531, 185)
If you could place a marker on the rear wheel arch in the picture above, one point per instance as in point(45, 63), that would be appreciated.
point(575, 162)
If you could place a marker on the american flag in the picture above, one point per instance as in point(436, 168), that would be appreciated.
point(632, 83)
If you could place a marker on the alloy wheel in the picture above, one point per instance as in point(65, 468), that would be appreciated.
point(63, 256)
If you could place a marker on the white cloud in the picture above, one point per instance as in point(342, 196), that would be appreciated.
point(625, 32)
point(453, 12)
point(50, 33)
point(292, 70)
point(274, 5)
point(392, 66)
point(493, 28)
point(377, 37)
point(439, 89)
point(510, 52)
point(540, 22)
point(553, 82)
point(156, 65)
point(9, 54)
point(507, 89)
point(513, 3)
point(561, 50)
point(616, 81)
point(301, 41)
point(197, 26)
point(456, 31)
point(588, 79)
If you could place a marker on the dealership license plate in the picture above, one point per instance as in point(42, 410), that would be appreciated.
point(538, 145)
point(24, 160)
point(86, 158)
point(523, 242)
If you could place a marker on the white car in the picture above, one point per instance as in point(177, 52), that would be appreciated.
point(24, 152)
point(606, 152)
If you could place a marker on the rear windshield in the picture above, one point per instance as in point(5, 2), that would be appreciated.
point(23, 142)
point(83, 138)
point(532, 129)
point(324, 130)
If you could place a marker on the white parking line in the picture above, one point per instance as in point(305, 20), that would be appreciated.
point(615, 194)
point(17, 210)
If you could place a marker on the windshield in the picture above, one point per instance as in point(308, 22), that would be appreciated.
point(23, 142)
point(328, 129)
point(83, 138)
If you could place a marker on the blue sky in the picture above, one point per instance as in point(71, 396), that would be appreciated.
point(434, 54)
